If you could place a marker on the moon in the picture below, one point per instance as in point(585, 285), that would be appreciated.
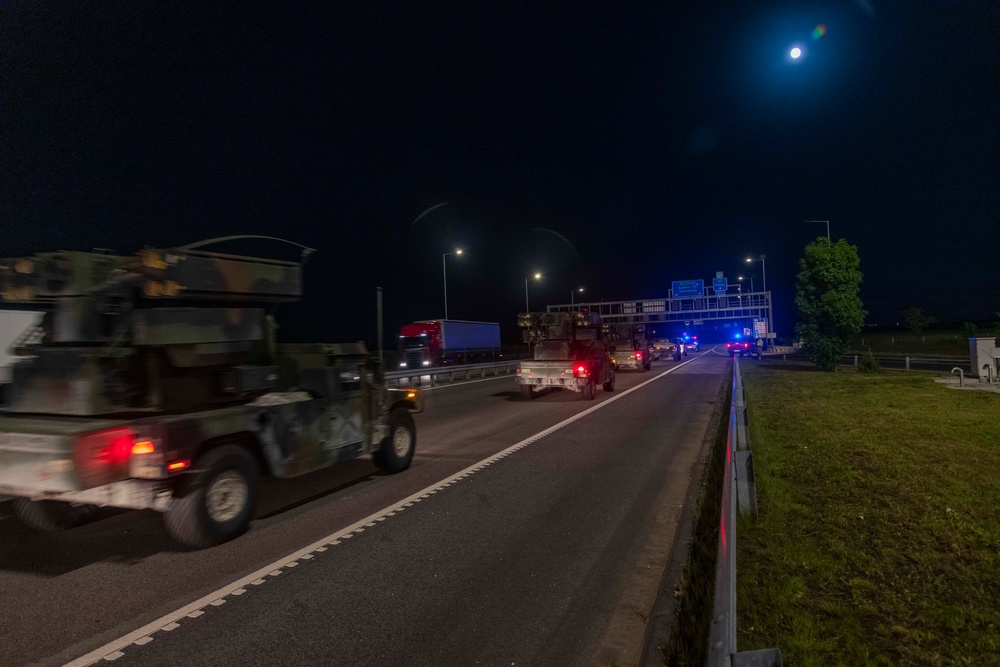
point(796, 52)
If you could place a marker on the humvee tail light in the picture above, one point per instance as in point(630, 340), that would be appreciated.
point(178, 465)
point(143, 447)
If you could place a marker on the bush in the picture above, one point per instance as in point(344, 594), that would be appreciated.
point(969, 330)
point(868, 363)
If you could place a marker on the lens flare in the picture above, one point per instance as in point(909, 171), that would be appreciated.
point(819, 31)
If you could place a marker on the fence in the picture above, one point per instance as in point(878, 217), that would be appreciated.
point(738, 494)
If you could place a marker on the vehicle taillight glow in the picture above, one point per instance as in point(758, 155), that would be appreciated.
point(638, 355)
point(143, 447)
point(119, 445)
point(102, 457)
point(581, 371)
point(178, 465)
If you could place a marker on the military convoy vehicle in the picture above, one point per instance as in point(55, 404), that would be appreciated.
point(570, 352)
point(154, 381)
point(631, 346)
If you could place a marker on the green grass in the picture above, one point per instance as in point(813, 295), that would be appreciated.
point(944, 343)
point(878, 537)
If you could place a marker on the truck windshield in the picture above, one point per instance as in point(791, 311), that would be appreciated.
point(411, 342)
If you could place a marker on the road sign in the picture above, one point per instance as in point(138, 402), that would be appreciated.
point(719, 274)
point(684, 288)
point(719, 285)
point(760, 327)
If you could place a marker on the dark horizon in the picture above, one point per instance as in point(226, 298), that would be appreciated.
point(617, 148)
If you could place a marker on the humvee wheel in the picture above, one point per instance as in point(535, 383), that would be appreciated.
point(396, 451)
point(589, 391)
point(526, 392)
point(51, 515)
point(610, 384)
point(217, 501)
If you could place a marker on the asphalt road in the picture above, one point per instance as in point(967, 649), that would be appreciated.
point(550, 552)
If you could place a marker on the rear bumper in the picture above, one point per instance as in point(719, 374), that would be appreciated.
point(572, 383)
point(134, 494)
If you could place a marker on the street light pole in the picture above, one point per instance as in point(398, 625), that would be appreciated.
point(827, 227)
point(527, 308)
point(572, 293)
point(763, 268)
point(444, 272)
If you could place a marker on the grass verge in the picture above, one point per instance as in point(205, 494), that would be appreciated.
point(688, 646)
point(878, 537)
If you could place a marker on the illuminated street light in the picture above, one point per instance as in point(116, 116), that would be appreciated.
point(444, 271)
point(527, 308)
point(796, 52)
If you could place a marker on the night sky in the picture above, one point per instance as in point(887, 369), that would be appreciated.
point(615, 146)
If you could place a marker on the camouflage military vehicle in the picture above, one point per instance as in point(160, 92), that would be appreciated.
point(630, 346)
point(154, 382)
point(569, 353)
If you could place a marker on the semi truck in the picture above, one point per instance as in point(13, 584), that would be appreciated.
point(430, 343)
point(154, 381)
point(570, 352)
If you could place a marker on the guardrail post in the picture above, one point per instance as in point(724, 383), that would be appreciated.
point(907, 363)
point(855, 361)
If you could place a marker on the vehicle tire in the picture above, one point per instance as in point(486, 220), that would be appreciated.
point(610, 384)
point(526, 392)
point(217, 501)
point(589, 391)
point(395, 453)
point(51, 515)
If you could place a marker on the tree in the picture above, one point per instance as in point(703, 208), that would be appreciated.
point(826, 297)
point(917, 319)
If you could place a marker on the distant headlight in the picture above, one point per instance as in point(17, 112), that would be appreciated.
point(402, 364)
point(427, 363)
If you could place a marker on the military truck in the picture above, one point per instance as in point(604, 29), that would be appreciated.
point(569, 353)
point(630, 346)
point(154, 381)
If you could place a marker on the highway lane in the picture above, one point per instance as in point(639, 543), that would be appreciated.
point(68, 594)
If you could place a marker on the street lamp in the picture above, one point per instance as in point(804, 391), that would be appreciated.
point(527, 308)
point(572, 293)
point(827, 227)
point(763, 268)
point(444, 272)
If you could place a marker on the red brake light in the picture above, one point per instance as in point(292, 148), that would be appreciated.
point(102, 457)
point(638, 354)
point(119, 446)
point(581, 371)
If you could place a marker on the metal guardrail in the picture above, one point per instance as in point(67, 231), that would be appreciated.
point(415, 377)
point(738, 493)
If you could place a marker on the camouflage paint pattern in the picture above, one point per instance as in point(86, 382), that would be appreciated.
point(159, 345)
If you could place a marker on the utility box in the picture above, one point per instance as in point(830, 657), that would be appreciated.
point(983, 352)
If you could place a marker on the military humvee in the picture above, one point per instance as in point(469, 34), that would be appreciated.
point(154, 381)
